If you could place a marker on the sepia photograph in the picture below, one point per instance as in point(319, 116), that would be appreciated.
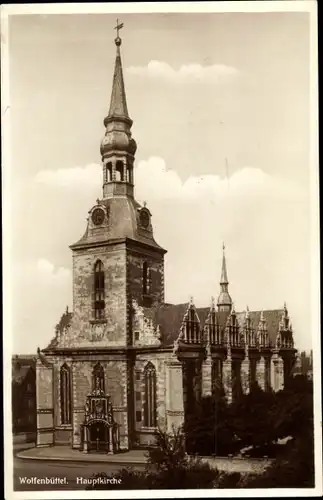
point(161, 250)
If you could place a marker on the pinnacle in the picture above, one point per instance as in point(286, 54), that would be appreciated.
point(118, 103)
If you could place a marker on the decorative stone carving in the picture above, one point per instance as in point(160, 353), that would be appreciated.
point(149, 333)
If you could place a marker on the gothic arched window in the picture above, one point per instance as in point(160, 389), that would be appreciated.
point(99, 303)
point(65, 380)
point(98, 377)
point(150, 413)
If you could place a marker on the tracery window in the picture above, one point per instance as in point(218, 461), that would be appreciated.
point(99, 303)
point(65, 382)
point(150, 413)
point(146, 279)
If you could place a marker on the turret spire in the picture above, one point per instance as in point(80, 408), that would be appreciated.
point(118, 103)
point(224, 300)
point(117, 147)
point(224, 274)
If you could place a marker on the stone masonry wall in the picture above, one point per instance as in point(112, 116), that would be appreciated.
point(135, 260)
point(159, 360)
point(44, 404)
point(85, 332)
point(115, 386)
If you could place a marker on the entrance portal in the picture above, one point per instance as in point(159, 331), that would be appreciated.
point(98, 437)
point(100, 433)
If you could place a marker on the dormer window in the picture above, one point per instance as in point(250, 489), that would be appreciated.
point(99, 303)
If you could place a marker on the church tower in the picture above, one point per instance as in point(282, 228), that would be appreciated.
point(117, 262)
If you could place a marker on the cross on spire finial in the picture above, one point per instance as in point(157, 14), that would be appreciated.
point(118, 28)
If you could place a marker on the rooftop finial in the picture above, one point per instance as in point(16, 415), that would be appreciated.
point(118, 27)
point(224, 300)
point(224, 276)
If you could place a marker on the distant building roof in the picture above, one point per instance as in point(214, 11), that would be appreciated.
point(21, 365)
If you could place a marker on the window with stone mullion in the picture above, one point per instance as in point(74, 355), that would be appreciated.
point(65, 377)
point(99, 291)
point(150, 397)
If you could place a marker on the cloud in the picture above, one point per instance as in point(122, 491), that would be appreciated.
point(40, 292)
point(155, 182)
point(47, 271)
point(187, 73)
point(69, 177)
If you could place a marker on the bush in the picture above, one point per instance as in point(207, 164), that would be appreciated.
point(293, 469)
point(169, 453)
point(168, 467)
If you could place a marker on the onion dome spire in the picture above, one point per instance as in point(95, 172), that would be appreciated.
point(224, 300)
point(118, 147)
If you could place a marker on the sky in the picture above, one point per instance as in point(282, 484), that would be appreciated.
point(221, 111)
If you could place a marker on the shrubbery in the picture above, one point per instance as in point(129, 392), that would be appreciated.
point(257, 420)
point(168, 467)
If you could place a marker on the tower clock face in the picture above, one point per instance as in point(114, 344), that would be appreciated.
point(144, 219)
point(98, 216)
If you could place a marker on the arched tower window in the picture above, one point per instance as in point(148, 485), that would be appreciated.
point(99, 304)
point(109, 171)
point(98, 377)
point(65, 382)
point(145, 279)
point(119, 171)
point(150, 413)
point(129, 174)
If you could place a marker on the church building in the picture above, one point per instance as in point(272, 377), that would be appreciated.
point(124, 362)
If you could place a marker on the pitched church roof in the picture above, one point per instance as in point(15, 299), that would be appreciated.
point(169, 317)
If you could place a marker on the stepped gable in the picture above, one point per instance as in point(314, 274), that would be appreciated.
point(63, 323)
point(169, 317)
